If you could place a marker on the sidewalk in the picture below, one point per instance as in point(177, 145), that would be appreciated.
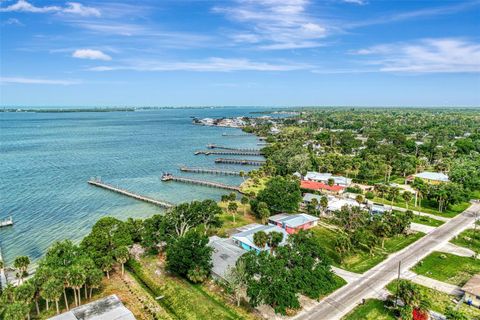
point(432, 283)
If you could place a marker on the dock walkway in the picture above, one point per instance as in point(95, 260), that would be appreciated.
point(240, 161)
point(130, 194)
point(229, 152)
point(215, 146)
point(208, 170)
point(170, 177)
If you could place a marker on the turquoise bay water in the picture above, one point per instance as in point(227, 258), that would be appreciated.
point(47, 158)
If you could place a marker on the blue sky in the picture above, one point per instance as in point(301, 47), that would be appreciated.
point(240, 52)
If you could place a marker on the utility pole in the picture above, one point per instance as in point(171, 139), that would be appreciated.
point(398, 282)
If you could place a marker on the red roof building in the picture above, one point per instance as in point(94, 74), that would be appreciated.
point(318, 186)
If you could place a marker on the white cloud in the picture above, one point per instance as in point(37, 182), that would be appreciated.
point(207, 65)
point(73, 8)
point(91, 54)
point(275, 24)
point(81, 10)
point(359, 2)
point(13, 21)
point(447, 55)
point(22, 80)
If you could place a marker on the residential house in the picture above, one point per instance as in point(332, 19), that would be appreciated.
point(378, 208)
point(292, 223)
point(108, 308)
point(472, 291)
point(430, 177)
point(325, 177)
point(244, 238)
point(320, 186)
point(224, 257)
point(334, 203)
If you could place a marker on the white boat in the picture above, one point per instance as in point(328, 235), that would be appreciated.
point(6, 222)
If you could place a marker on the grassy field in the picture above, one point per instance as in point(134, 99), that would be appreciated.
point(468, 239)
point(440, 301)
point(475, 194)
point(427, 221)
point(249, 185)
point(242, 217)
point(448, 267)
point(362, 261)
point(373, 309)
point(427, 207)
point(184, 300)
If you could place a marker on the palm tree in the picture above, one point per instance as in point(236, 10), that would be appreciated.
point(324, 203)
point(122, 255)
point(24, 293)
point(260, 239)
point(274, 239)
point(394, 192)
point(77, 279)
point(242, 174)
point(232, 207)
point(237, 279)
point(52, 291)
point(407, 196)
point(106, 265)
point(94, 279)
point(359, 199)
point(244, 201)
point(21, 264)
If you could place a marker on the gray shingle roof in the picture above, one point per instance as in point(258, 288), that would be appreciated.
point(225, 255)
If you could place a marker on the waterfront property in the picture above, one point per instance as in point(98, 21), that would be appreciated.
point(325, 177)
point(224, 257)
point(472, 291)
point(320, 186)
point(244, 238)
point(292, 223)
point(108, 308)
point(430, 177)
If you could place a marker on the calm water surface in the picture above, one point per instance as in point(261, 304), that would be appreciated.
point(47, 158)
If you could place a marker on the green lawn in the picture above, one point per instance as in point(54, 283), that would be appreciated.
point(468, 239)
point(373, 309)
point(427, 207)
point(475, 194)
point(181, 299)
point(362, 261)
point(249, 185)
point(242, 217)
point(440, 301)
point(448, 267)
point(427, 221)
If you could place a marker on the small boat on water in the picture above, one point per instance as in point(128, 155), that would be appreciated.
point(6, 222)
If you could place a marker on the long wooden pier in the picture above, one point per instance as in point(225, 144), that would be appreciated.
point(240, 161)
point(170, 177)
point(130, 194)
point(229, 152)
point(214, 146)
point(236, 135)
point(208, 170)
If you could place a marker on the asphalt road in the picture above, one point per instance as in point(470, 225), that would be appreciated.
point(348, 297)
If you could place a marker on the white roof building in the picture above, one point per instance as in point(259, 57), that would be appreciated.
point(245, 238)
point(435, 176)
point(324, 177)
point(334, 203)
point(108, 308)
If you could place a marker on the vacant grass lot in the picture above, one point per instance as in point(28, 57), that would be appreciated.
point(182, 299)
point(468, 239)
point(254, 186)
point(440, 301)
point(447, 267)
point(427, 207)
point(373, 309)
point(427, 221)
point(362, 261)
